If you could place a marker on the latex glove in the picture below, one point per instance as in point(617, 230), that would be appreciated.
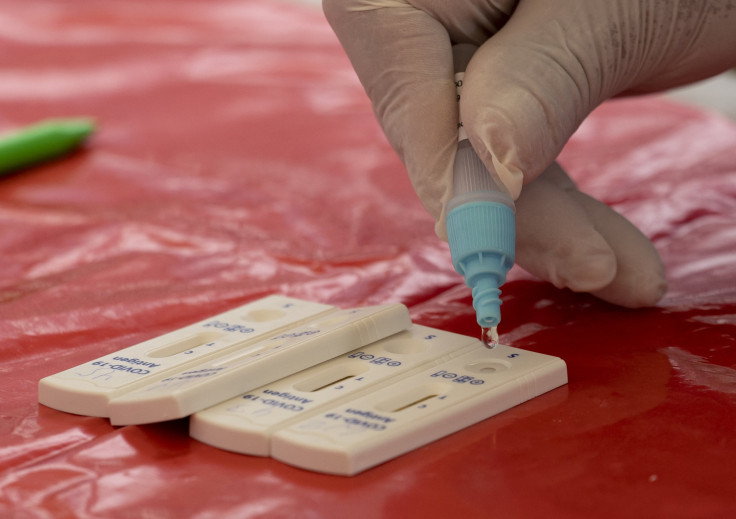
point(541, 68)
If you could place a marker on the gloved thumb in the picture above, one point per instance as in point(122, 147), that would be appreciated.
point(526, 91)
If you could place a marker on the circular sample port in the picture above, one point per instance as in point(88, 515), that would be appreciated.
point(486, 367)
point(264, 314)
point(405, 346)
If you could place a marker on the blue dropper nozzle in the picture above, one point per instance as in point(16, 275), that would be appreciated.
point(481, 223)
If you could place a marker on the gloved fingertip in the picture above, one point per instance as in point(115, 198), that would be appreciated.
point(511, 178)
point(648, 293)
point(585, 271)
point(640, 288)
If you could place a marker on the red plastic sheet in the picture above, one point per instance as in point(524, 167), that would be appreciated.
point(237, 156)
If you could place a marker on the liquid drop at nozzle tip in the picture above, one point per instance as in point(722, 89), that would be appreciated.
point(489, 336)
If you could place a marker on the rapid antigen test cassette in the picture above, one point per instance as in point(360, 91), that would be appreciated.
point(373, 404)
point(352, 436)
point(278, 334)
point(246, 423)
point(324, 389)
point(208, 383)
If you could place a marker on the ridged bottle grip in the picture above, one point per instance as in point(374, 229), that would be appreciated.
point(481, 227)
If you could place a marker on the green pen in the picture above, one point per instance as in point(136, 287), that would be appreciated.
point(42, 142)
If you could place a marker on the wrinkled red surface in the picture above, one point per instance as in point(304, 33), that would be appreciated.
point(237, 156)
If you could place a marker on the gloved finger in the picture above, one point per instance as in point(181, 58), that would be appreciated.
point(403, 59)
point(529, 87)
point(557, 241)
point(640, 274)
point(525, 94)
point(577, 242)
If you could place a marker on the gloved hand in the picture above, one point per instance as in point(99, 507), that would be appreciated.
point(542, 66)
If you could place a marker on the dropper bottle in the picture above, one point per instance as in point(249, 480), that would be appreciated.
point(481, 223)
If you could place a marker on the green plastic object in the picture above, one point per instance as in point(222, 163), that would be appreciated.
point(42, 142)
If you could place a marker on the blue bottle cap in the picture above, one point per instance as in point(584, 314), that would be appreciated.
point(482, 237)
